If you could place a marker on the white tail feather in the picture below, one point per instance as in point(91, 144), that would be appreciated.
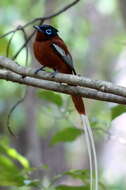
point(91, 151)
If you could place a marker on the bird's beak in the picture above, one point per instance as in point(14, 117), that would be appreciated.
point(37, 28)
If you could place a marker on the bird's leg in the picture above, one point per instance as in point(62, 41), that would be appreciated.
point(53, 74)
point(40, 69)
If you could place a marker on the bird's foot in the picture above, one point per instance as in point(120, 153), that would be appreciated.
point(53, 74)
point(40, 69)
point(23, 76)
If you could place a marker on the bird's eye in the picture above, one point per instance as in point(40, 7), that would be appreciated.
point(49, 31)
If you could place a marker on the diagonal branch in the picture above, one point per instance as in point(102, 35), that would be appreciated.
point(15, 72)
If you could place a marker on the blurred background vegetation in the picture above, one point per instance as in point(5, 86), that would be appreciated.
point(49, 139)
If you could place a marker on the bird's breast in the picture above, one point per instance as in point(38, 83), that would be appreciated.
point(47, 57)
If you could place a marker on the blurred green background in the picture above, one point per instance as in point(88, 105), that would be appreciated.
point(49, 139)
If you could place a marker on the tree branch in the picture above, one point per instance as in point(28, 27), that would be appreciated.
point(100, 85)
point(43, 80)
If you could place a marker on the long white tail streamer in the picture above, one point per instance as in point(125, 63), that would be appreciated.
point(91, 150)
point(87, 139)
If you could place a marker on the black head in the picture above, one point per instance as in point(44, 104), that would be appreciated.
point(47, 30)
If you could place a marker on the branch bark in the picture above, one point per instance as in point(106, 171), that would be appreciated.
point(94, 89)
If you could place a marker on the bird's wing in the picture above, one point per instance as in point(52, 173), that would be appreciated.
point(64, 56)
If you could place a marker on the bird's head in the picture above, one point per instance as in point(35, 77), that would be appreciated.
point(45, 32)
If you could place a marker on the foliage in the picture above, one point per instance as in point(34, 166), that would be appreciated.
point(68, 134)
point(51, 97)
point(117, 111)
point(13, 167)
point(65, 187)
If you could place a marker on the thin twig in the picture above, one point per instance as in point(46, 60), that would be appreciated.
point(9, 43)
point(25, 38)
point(41, 18)
point(23, 98)
point(52, 15)
point(21, 48)
point(11, 31)
point(11, 112)
point(25, 43)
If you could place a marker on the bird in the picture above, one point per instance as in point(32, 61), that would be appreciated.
point(51, 51)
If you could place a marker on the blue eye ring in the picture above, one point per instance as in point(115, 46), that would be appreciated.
point(48, 31)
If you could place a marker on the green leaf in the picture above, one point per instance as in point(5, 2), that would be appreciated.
point(83, 175)
point(51, 97)
point(65, 187)
point(66, 135)
point(117, 110)
point(78, 174)
point(15, 155)
point(12, 153)
point(11, 175)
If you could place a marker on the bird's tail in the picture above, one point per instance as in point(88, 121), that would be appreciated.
point(79, 105)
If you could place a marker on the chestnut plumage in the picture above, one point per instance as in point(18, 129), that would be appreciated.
point(51, 51)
